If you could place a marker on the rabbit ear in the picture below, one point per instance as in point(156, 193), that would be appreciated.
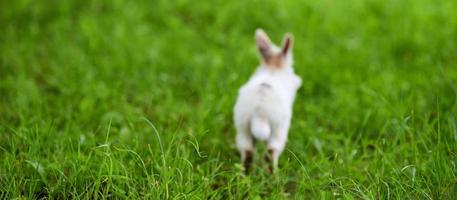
point(263, 42)
point(287, 43)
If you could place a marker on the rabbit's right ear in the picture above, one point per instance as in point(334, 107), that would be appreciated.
point(287, 44)
point(263, 43)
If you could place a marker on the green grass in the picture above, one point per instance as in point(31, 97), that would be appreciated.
point(133, 99)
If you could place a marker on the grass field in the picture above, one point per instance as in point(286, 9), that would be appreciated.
point(134, 99)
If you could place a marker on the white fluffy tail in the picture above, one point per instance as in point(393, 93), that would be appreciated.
point(260, 128)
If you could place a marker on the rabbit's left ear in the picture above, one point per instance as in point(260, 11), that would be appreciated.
point(263, 43)
point(287, 43)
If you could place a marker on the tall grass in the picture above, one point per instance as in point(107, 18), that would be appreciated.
point(133, 99)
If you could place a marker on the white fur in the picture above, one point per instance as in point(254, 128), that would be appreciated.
point(264, 106)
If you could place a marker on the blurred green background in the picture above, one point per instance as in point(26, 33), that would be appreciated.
point(133, 99)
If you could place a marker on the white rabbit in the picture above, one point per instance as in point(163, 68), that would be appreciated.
point(263, 110)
